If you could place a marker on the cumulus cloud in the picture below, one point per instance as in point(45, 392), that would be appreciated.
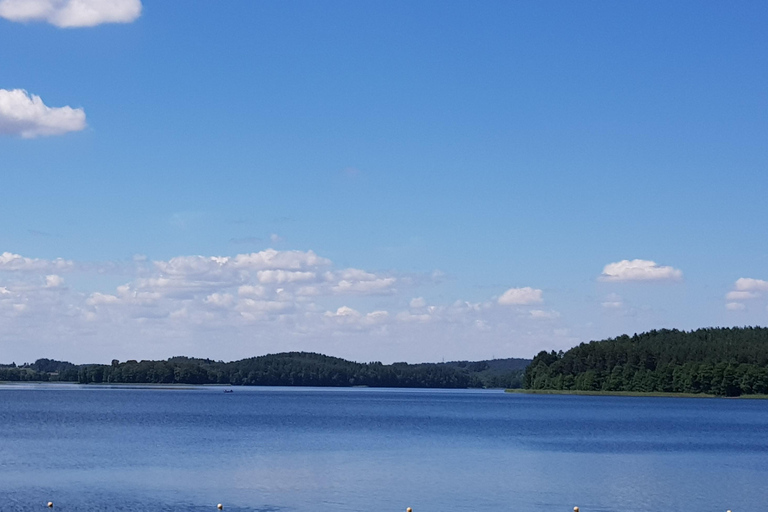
point(247, 290)
point(358, 281)
point(71, 13)
point(53, 281)
point(417, 303)
point(521, 296)
point(353, 318)
point(15, 262)
point(738, 295)
point(272, 259)
point(246, 306)
point(639, 270)
point(97, 299)
point(753, 285)
point(373, 286)
point(284, 276)
point(251, 303)
point(343, 311)
point(308, 291)
point(745, 288)
point(223, 300)
point(26, 115)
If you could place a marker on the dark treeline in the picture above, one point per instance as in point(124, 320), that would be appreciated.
point(719, 361)
point(286, 369)
point(41, 370)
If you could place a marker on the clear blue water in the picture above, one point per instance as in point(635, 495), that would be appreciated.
point(315, 450)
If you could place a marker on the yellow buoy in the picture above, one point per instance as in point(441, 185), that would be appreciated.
point(50, 504)
point(575, 509)
point(409, 509)
point(219, 506)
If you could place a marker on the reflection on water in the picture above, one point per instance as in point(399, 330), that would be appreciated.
point(309, 450)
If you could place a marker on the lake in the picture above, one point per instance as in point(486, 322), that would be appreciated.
point(316, 450)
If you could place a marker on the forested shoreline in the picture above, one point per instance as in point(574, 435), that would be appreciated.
point(714, 361)
point(717, 361)
point(285, 369)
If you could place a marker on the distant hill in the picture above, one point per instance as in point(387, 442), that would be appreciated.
point(719, 361)
point(284, 369)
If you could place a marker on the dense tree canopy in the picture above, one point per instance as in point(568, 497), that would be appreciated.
point(719, 361)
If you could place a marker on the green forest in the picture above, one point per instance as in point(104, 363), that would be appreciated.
point(716, 361)
point(285, 369)
point(713, 361)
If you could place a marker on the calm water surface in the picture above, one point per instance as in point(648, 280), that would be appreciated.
point(317, 450)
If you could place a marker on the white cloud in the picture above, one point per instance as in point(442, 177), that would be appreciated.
point(191, 265)
point(639, 270)
point(272, 259)
point(417, 303)
point(250, 304)
point(753, 285)
point(375, 286)
point(730, 296)
point(377, 316)
point(16, 262)
point(97, 299)
point(343, 311)
point(353, 318)
point(71, 13)
point(356, 281)
point(521, 296)
point(248, 290)
point(544, 315)
point(223, 300)
point(284, 276)
point(405, 316)
point(53, 281)
point(471, 307)
point(308, 291)
point(745, 288)
point(26, 115)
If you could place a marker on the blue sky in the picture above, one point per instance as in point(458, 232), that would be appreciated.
point(402, 180)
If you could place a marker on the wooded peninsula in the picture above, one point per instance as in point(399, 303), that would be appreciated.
point(715, 361)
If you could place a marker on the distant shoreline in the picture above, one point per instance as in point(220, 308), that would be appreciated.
point(660, 394)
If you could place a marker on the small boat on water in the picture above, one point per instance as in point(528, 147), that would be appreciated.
point(229, 390)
